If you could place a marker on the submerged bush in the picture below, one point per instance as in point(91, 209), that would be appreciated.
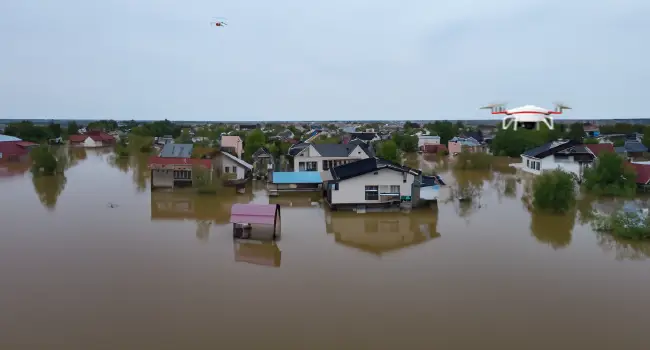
point(611, 176)
point(625, 225)
point(474, 161)
point(554, 191)
point(44, 162)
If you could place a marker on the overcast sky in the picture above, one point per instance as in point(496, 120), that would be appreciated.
point(321, 60)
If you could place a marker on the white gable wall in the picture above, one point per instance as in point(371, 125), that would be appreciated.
point(353, 191)
point(89, 142)
point(229, 163)
point(310, 154)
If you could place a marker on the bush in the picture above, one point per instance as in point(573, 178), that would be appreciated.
point(474, 161)
point(554, 191)
point(611, 176)
point(624, 225)
point(204, 183)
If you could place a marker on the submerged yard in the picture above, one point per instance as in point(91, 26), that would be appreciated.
point(161, 269)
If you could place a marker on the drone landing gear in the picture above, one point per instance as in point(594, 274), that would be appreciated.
point(527, 125)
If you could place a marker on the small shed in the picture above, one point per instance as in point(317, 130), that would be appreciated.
point(298, 181)
point(244, 216)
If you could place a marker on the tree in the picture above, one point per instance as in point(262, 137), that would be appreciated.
point(55, 129)
point(590, 141)
point(554, 191)
point(576, 132)
point(513, 143)
point(73, 128)
point(406, 143)
point(184, 137)
point(27, 131)
point(610, 176)
point(254, 140)
point(388, 150)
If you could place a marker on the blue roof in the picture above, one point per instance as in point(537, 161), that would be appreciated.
point(176, 150)
point(635, 146)
point(296, 177)
point(8, 138)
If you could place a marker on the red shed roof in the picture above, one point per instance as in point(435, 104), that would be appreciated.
point(94, 135)
point(642, 172)
point(78, 138)
point(598, 148)
point(254, 213)
point(12, 148)
point(179, 161)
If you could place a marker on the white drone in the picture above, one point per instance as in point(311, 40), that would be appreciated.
point(529, 116)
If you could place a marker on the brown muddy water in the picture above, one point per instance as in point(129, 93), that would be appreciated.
point(161, 271)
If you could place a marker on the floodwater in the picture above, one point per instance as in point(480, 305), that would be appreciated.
point(161, 271)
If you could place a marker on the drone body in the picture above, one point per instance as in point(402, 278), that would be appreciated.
point(218, 22)
point(528, 116)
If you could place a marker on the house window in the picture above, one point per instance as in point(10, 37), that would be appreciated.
point(326, 165)
point(372, 193)
point(528, 163)
point(227, 169)
point(301, 166)
point(234, 169)
point(312, 166)
point(394, 189)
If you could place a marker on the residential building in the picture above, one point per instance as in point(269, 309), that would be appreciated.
point(634, 149)
point(372, 182)
point(562, 154)
point(434, 149)
point(232, 144)
point(13, 149)
point(460, 144)
point(231, 167)
point(591, 130)
point(428, 140)
point(322, 157)
point(599, 148)
point(642, 170)
point(91, 139)
point(173, 166)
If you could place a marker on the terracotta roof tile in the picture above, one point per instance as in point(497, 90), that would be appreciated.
point(598, 148)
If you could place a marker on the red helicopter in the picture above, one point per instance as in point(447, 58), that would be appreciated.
point(218, 22)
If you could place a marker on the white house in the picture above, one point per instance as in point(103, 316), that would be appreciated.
point(372, 182)
point(233, 165)
point(428, 140)
point(322, 157)
point(561, 154)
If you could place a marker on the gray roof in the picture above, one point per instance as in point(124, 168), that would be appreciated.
point(635, 146)
point(334, 149)
point(619, 149)
point(177, 150)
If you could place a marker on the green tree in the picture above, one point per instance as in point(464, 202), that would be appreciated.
point(619, 142)
point(184, 137)
point(55, 129)
point(405, 142)
point(576, 132)
point(73, 128)
point(445, 129)
point(590, 141)
point(254, 140)
point(388, 150)
point(554, 191)
point(513, 143)
point(610, 176)
point(646, 136)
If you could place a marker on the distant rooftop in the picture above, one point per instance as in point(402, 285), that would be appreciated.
point(8, 138)
point(177, 150)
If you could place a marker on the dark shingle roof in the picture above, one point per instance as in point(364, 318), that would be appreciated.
point(548, 149)
point(365, 136)
point(635, 146)
point(177, 150)
point(365, 166)
point(295, 149)
point(334, 149)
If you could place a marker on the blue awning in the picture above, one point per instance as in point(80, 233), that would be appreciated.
point(296, 177)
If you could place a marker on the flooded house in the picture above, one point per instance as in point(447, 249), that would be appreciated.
point(231, 167)
point(424, 140)
point(366, 137)
point(92, 139)
point(263, 163)
point(232, 144)
point(322, 157)
point(13, 149)
point(566, 155)
point(463, 144)
point(294, 181)
point(372, 183)
point(174, 165)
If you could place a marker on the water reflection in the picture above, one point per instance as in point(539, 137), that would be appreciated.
point(201, 208)
point(258, 253)
point(379, 233)
point(624, 249)
point(137, 163)
point(48, 189)
point(553, 230)
point(14, 169)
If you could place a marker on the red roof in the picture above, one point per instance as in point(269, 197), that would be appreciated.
point(24, 144)
point(94, 135)
point(433, 148)
point(642, 172)
point(13, 148)
point(179, 161)
point(598, 148)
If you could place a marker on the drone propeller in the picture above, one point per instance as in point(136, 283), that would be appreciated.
point(494, 106)
point(561, 105)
